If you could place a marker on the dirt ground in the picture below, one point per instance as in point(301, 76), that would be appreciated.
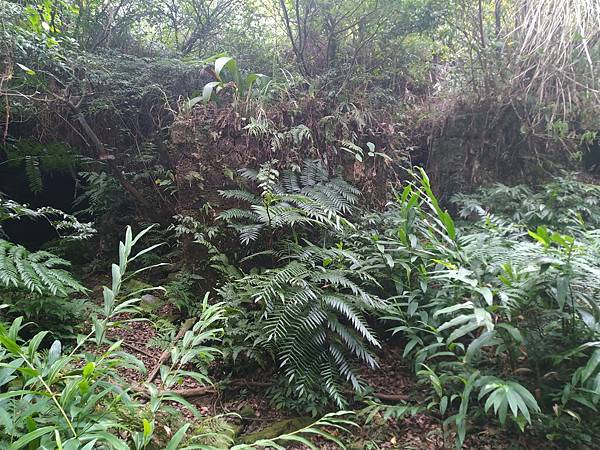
point(252, 411)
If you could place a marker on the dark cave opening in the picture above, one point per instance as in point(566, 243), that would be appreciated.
point(59, 191)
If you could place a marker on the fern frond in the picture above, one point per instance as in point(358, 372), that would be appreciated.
point(291, 199)
point(34, 175)
point(290, 182)
point(239, 194)
point(353, 343)
point(313, 173)
point(249, 233)
point(238, 214)
point(38, 272)
point(312, 319)
point(249, 174)
point(338, 304)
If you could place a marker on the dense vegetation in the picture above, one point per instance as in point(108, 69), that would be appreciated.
point(333, 223)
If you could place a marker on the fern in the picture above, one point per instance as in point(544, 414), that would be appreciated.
point(300, 134)
point(34, 175)
point(39, 272)
point(565, 202)
point(102, 193)
point(339, 421)
point(313, 318)
point(37, 158)
point(289, 200)
point(239, 194)
point(65, 224)
point(295, 138)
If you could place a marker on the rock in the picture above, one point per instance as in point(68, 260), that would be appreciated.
point(134, 285)
point(150, 299)
point(234, 430)
point(150, 302)
point(247, 411)
point(276, 429)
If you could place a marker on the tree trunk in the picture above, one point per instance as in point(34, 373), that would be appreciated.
point(109, 159)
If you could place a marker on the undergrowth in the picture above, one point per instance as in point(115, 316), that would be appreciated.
point(496, 314)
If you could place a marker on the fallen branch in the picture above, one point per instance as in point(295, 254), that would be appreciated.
point(205, 390)
point(165, 355)
point(390, 397)
point(138, 349)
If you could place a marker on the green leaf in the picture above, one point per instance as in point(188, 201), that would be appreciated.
point(222, 63)
point(189, 105)
point(35, 342)
point(21, 392)
point(31, 436)
point(458, 320)
point(443, 404)
point(9, 344)
point(300, 439)
point(540, 236)
point(487, 295)
point(26, 69)
point(486, 338)
point(591, 366)
point(453, 308)
point(147, 428)
point(58, 440)
point(116, 278)
point(514, 332)
point(460, 332)
point(110, 439)
point(177, 438)
point(54, 352)
point(88, 369)
point(562, 287)
point(449, 225)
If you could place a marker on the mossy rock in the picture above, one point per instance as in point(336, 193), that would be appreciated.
point(216, 432)
point(149, 302)
point(276, 429)
point(234, 431)
point(149, 299)
point(247, 411)
point(134, 285)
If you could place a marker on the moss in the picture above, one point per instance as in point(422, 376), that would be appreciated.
point(149, 301)
point(134, 285)
point(247, 412)
point(215, 431)
point(277, 429)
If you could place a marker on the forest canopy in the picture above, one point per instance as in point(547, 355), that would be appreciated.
point(240, 224)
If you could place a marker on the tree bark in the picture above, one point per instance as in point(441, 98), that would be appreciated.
point(498, 16)
point(297, 47)
point(104, 156)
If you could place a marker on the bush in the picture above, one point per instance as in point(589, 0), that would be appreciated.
point(495, 308)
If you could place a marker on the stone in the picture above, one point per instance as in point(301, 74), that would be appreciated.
point(276, 429)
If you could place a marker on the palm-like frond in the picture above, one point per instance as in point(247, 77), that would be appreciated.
point(313, 317)
point(239, 194)
point(290, 200)
point(38, 272)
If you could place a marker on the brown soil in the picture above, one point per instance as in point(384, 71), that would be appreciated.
point(249, 399)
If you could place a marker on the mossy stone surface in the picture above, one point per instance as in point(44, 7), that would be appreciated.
point(276, 429)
